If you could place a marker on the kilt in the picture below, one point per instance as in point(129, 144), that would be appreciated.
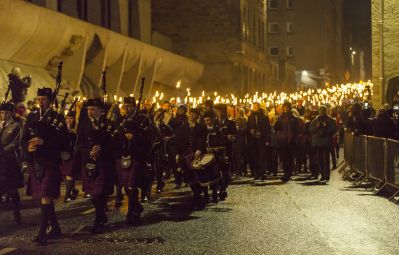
point(72, 167)
point(11, 176)
point(103, 184)
point(136, 176)
point(49, 186)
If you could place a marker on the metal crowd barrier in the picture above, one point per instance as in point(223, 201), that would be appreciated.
point(373, 158)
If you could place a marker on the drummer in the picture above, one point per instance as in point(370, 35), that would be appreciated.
point(196, 147)
point(214, 143)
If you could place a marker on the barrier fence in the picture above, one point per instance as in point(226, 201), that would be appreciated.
point(373, 158)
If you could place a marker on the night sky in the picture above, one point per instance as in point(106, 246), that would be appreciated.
point(357, 19)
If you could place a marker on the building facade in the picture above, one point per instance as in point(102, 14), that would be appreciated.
point(227, 36)
point(305, 42)
point(90, 36)
point(385, 50)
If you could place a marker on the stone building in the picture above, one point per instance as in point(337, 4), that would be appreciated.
point(305, 42)
point(385, 50)
point(89, 36)
point(227, 36)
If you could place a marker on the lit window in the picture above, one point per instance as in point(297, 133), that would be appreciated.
point(290, 4)
point(290, 27)
point(273, 4)
point(274, 28)
point(273, 51)
point(290, 51)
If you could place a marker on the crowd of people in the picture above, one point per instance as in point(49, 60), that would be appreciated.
point(133, 148)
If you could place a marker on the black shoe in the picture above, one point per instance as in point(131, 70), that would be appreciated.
point(104, 220)
point(160, 187)
point(262, 178)
point(145, 199)
point(274, 174)
point(17, 218)
point(67, 200)
point(40, 239)
point(96, 229)
point(215, 198)
point(54, 233)
point(118, 204)
point(223, 195)
point(323, 181)
point(74, 194)
point(285, 179)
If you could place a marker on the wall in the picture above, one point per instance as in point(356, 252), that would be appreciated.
point(390, 48)
point(86, 50)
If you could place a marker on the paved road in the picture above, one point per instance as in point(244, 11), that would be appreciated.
point(300, 217)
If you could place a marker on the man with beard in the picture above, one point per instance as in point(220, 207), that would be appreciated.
point(258, 139)
point(323, 127)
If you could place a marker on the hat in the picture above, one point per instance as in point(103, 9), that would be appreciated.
point(47, 92)
point(209, 102)
point(95, 102)
point(182, 107)
point(7, 107)
point(288, 104)
point(129, 101)
point(195, 110)
point(71, 114)
point(209, 114)
point(221, 107)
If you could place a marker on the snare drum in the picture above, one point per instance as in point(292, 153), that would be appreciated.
point(208, 173)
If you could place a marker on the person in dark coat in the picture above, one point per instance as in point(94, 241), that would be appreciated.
point(384, 126)
point(228, 130)
point(195, 147)
point(136, 139)
point(181, 130)
point(258, 139)
point(95, 144)
point(286, 128)
point(70, 167)
point(355, 122)
point(11, 177)
point(323, 128)
point(215, 144)
point(43, 143)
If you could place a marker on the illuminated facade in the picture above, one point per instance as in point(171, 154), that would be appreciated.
point(228, 37)
point(305, 37)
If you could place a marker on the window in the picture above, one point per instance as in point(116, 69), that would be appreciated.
point(82, 9)
point(290, 27)
point(273, 51)
point(290, 51)
point(290, 4)
point(274, 28)
point(273, 4)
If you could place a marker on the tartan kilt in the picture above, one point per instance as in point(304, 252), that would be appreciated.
point(49, 186)
point(72, 167)
point(11, 176)
point(135, 176)
point(103, 184)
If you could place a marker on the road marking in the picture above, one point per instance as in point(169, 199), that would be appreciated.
point(7, 250)
point(92, 210)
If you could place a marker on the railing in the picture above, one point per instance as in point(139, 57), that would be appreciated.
point(373, 159)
